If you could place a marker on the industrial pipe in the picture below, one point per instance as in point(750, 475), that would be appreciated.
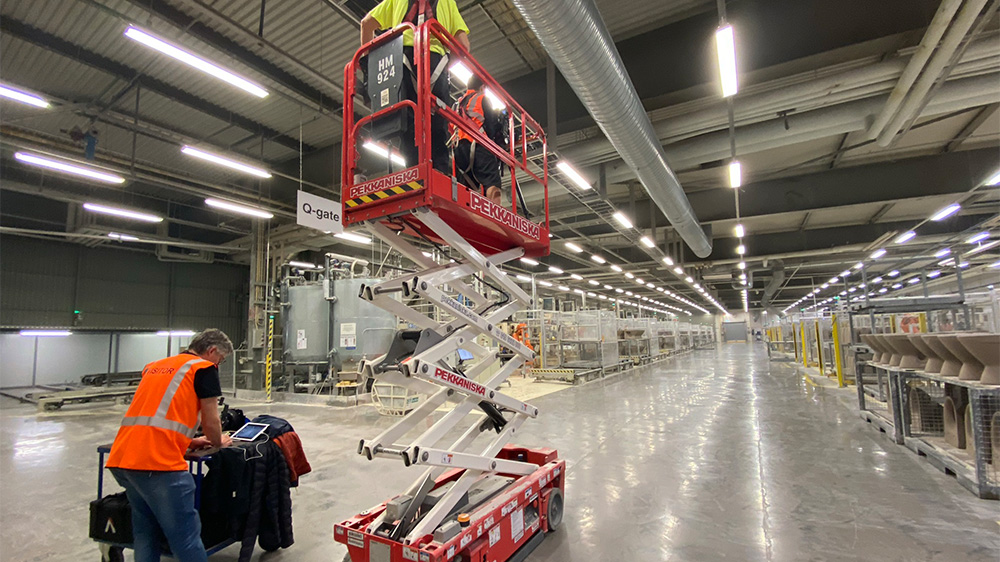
point(942, 57)
point(574, 34)
point(942, 18)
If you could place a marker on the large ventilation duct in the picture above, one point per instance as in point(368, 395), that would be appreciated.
point(574, 34)
point(777, 278)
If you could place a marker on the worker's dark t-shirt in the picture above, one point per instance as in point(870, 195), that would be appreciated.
point(206, 381)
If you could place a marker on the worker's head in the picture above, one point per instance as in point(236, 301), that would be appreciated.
point(475, 83)
point(211, 345)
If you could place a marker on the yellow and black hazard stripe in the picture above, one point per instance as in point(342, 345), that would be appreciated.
point(385, 194)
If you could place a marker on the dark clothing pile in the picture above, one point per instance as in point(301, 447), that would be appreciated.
point(246, 494)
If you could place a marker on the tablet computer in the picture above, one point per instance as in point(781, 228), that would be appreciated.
point(250, 431)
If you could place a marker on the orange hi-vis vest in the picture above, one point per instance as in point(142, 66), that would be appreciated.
point(163, 417)
point(471, 105)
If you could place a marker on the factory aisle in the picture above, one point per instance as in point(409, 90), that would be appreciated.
point(724, 455)
point(715, 454)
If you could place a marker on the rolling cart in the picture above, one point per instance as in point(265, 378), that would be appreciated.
point(114, 552)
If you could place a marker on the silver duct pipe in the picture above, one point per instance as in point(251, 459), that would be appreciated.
point(777, 279)
point(942, 18)
point(574, 34)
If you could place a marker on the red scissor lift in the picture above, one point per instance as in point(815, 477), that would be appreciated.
point(478, 498)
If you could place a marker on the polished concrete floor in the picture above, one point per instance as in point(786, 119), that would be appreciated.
point(713, 455)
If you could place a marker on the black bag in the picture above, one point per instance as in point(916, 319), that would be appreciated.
point(111, 519)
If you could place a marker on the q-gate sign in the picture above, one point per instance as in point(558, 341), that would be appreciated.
point(319, 213)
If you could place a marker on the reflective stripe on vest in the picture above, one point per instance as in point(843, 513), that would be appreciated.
point(159, 419)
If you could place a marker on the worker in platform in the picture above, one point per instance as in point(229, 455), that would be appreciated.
point(147, 457)
point(478, 164)
point(390, 13)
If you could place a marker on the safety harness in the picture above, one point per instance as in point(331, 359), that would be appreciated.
point(418, 11)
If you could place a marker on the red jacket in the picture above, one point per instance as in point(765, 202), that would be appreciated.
point(291, 447)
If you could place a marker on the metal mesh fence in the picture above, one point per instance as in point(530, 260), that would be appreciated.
point(982, 424)
point(878, 394)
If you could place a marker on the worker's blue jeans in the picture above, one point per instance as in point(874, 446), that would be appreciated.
point(163, 501)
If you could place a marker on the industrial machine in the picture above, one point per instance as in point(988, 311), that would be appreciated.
point(472, 502)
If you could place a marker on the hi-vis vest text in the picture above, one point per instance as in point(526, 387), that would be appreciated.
point(471, 106)
point(162, 419)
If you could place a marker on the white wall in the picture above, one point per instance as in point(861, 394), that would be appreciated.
point(66, 359)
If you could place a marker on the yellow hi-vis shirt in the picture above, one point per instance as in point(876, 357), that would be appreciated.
point(390, 13)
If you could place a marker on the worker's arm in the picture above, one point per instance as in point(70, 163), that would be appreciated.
point(463, 40)
point(368, 27)
point(211, 425)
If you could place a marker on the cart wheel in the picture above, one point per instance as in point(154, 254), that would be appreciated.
point(112, 554)
point(554, 512)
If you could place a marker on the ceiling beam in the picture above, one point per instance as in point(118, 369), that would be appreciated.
point(971, 127)
point(26, 32)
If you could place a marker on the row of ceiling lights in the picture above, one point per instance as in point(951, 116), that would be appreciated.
point(979, 240)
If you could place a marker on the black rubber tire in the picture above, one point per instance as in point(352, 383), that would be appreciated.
point(554, 511)
point(115, 554)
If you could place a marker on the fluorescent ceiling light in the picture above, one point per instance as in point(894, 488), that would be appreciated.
point(629, 293)
point(598, 259)
point(124, 213)
point(175, 333)
point(123, 237)
point(238, 208)
point(647, 242)
point(45, 333)
point(742, 265)
point(978, 237)
point(883, 290)
point(897, 285)
point(741, 249)
point(981, 247)
point(735, 174)
point(575, 276)
point(935, 273)
point(523, 277)
point(573, 247)
point(877, 254)
point(689, 279)
point(578, 291)
point(498, 104)
point(608, 287)
point(227, 162)
point(743, 276)
point(845, 273)
point(460, 71)
point(877, 280)
point(303, 264)
point(23, 97)
point(563, 288)
point(859, 265)
point(556, 270)
point(616, 268)
point(427, 254)
point(678, 271)
point(651, 286)
point(894, 273)
point(824, 285)
point(354, 237)
point(593, 282)
point(529, 261)
point(963, 264)
point(573, 175)
point(994, 180)
point(68, 168)
point(949, 261)
point(905, 237)
point(619, 290)
point(914, 280)
point(622, 219)
point(629, 275)
point(640, 281)
point(740, 231)
point(946, 212)
point(190, 59)
point(545, 283)
point(725, 45)
point(995, 264)
point(382, 151)
point(942, 253)
point(668, 261)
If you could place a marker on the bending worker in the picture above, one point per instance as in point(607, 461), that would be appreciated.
point(390, 13)
point(481, 166)
point(147, 457)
